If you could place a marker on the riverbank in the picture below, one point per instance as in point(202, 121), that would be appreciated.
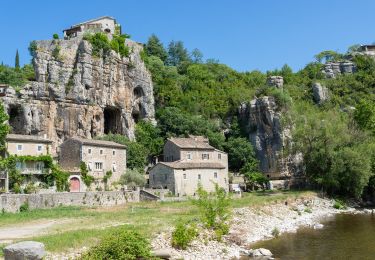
point(252, 224)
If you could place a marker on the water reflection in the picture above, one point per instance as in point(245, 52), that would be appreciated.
point(344, 237)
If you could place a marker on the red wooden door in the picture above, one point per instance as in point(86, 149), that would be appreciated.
point(74, 184)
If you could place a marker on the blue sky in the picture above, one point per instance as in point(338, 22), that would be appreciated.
point(245, 35)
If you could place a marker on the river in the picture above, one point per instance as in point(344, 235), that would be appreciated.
point(344, 236)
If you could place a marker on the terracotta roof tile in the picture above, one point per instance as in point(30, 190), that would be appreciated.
point(27, 138)
point(95, 142)
point(193, 165)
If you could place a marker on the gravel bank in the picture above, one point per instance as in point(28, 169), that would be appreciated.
point(251, 224)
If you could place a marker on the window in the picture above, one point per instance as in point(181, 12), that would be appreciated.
point(114, 167)
point(101, 151)
point(89, 166)
point(113, 152)
point(219, 156)
point(184, 176)
point(19, 147)
point(19, 165)
point(89, 151)
point(199, 177)
point(205, 156)
point(98, 166)
point(189, 156)
point(215, 175)
point(40, 147)
point(39, 166)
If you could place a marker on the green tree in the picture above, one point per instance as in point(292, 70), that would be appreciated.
point(17, 61)
point(177, 53)
point(150, 137)
point(154, 47)
point(240, 152)
point(4, 128)
point(328, 56)
point(133, 178)
point(197, 56)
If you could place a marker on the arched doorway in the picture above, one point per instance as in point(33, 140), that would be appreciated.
point(74, 184)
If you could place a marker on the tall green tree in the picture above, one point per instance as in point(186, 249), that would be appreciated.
point(17, 61)
point(4, 128)
point(154, 47)
point(177, 53)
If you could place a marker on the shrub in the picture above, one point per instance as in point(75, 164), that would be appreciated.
point(132, 178)
point(214, 209)
point(275, 232)
point(339, 204)
point(121, 244)
point(30, 188)
point(24, 207)
point(33, 47)
point(308, 210)
point(87, 179)
point(183, 235)
point(55, 36)
point(56, 52)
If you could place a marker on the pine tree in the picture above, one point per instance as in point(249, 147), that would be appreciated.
point(17, 62)
point(155, 48)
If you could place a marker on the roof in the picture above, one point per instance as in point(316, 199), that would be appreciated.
point(27, 138)
point(193, 142)
point(100, 143)
point(93, 20)
point(193, 165)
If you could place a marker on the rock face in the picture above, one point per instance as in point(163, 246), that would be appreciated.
point(27, 250)
point(333, 69)
point(275, 81)
point(320, 93)
point(262, 122)
point(78, 94)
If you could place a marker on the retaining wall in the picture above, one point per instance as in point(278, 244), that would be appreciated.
point(13, 202)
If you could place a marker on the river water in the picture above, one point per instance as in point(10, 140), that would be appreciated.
point(343, 237)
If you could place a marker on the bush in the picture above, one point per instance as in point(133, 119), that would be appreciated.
point(275, 232)
point(214, 209)
point(24, 207)
point(183, 235)
point(55, 36)
point(339, 204)
point(56, 52)
point(122, 244)
point(132, 178)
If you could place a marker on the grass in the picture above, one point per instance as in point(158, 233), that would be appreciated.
point(85, 226)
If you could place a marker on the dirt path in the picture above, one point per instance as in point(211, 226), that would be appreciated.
point(7, 234)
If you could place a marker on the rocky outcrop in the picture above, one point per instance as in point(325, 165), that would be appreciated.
point(78, 94)
point(320, 93)
point(333, 69)
point(262, 121)
point(275, 81)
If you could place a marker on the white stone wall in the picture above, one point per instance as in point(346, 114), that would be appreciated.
point(12, 202)
point(28, 148)
point(187, 180)
point(115, 163)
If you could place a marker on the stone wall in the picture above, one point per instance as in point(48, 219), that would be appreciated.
point(13, 202)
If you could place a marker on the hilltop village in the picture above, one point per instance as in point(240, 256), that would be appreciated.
point(77, 98)
point(98, 119)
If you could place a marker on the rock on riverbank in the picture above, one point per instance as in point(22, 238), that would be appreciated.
point(249, 225)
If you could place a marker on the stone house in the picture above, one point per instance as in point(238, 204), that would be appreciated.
point(99, 156)
point(188, 162)
point(105, 24)
point(27, 145)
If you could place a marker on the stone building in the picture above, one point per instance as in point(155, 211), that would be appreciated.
point(28, 145)
point(188, 162)
point(99, 156)
point(105, 24)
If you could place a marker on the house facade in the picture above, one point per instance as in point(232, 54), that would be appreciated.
point(99, 156)
point(28, 145)
point(188, 162)
point(105, 24)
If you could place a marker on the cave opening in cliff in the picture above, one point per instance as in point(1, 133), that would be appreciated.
point(112, 120)
point(17, 120)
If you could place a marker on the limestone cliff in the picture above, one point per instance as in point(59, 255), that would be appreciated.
point(78, 94)
point(262, 121)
